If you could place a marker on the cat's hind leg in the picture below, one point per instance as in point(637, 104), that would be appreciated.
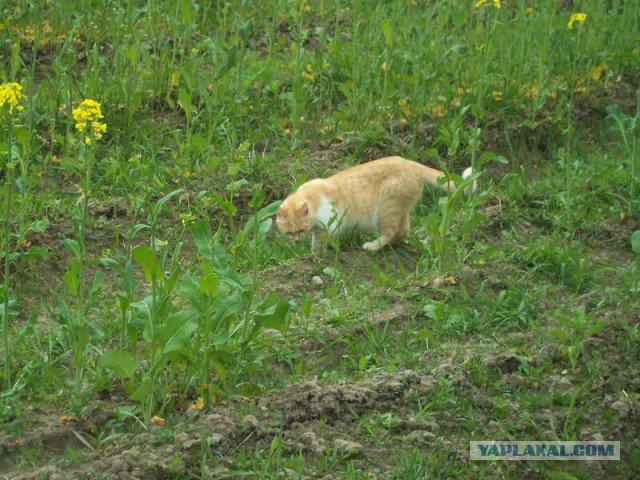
point(390, 231)
point(402, 231)
point(377, 244)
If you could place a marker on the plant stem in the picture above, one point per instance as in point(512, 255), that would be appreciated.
point(7, 270)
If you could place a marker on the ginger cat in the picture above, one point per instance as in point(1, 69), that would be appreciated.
point(377, 195)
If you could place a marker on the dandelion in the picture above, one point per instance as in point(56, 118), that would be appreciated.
point(10, 95)
point(576, 17)
point(438, 111)
point(87, 117)
point(531, 91)
point(495, 3)
point(404, 106)
point(596, 72)
point(307, 74)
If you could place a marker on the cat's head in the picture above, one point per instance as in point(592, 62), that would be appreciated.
point(294, 217)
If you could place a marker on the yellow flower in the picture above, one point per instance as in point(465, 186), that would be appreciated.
point(495, 3)
point(531, 91)
point(11, 94)
point(576, 17)
point(438, 111)
point(404, 106)
point(596, 72)
point(307, 74)
point(497, 95)
point(87, 117)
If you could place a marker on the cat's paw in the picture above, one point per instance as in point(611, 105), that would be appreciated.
point(371, 246)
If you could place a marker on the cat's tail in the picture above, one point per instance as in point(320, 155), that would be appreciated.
point(473, 188)
point(449, 186)
point(433, 177)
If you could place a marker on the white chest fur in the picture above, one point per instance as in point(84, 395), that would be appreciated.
point(330, 218)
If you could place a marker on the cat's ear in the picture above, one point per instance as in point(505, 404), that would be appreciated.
point(304, 209)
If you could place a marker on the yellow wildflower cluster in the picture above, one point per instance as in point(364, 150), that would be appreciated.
point(576, 17)
point(87, 117)
point(10, 95)
point(495, 3)
point(307, 74)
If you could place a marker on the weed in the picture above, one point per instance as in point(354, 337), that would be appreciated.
point(576, 330)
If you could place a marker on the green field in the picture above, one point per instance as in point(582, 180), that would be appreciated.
point(155, 325)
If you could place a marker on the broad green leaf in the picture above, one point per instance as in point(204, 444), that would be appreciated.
point(186, 8)
point(269, 210)
point(111, 263)
point(148, 261)
point(129, 279)
point(120, 362)
point(39, 225)
point(184, 100)
point(225, 307)
point(227, 206)
point(275, 317)
point(262, 217)
point(387, 31)
point(202, 237)
point(231, 277)
point(208, 281)
point(143, 306)
point(73, 246)
point(635, 242)
point(222, 356)
point(72, 277)
point(98, 281)
point(157, 208)
point(22, 136)
point(36, 253)
point(177, 330)
point(232, 59)
point(133, 231)
point(144, 391)
point(457, 48)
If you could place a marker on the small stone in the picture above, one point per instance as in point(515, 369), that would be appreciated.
point(347, 446)
point(317, 280)
point(622, 407)
point(312, 442)
point(421, 436)
point(184, 441)
point(288, 473)
point(251, 420)
point(214, 439)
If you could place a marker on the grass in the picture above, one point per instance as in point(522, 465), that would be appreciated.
point(147, 301)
